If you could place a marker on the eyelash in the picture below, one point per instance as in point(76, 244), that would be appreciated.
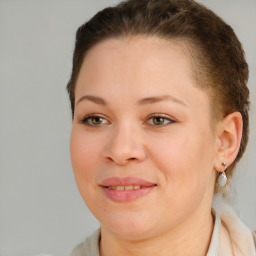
point(88, 120)
point(163, 117)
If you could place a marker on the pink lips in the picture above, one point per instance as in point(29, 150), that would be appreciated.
point(141, 188)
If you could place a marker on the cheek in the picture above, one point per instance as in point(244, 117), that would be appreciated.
point(185, 174)
point(185, 160)
point(84, 152)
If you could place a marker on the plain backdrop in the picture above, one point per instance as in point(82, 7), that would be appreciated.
point(40, 207)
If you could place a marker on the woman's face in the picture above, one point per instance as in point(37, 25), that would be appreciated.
point(142, 143)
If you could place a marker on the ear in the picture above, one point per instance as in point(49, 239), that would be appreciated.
point(229, 134)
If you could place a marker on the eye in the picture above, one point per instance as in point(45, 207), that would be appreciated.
point(94, 120)
point(159, 120)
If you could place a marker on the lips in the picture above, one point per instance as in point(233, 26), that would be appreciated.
point(126, 189)
point(126, 181)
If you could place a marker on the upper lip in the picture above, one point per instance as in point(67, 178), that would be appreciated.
point(126, 181)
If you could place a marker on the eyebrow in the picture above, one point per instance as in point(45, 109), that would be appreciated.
point(151, 100)
point(94, 99)
point(144, 101)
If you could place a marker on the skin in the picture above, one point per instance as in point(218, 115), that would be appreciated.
point(180, 155)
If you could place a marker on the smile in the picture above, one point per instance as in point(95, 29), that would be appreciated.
point(126, 189)
point(131, 187)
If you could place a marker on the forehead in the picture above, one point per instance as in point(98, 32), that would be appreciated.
point(139, 67)
point(139, 47)
point(149, 58)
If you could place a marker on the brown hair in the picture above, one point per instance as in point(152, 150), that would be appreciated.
point(217, 54)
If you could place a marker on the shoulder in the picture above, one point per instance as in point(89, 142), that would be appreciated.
point(240, 235)
point(79, 250)
point(88, 247)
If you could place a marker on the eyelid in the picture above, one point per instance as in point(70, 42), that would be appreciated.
point(166, 117)
point(85, 119)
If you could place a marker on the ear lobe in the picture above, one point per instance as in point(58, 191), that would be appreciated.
point(229, 135)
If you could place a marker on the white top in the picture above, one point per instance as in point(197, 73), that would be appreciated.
point(240, 236)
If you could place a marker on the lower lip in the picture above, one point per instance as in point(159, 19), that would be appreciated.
point(123, 196)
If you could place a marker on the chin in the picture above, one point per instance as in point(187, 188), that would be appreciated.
point(129, 226)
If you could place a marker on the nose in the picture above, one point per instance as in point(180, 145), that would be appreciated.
point(125, 145)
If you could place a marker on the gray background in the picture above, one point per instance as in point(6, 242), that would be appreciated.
point(40, 207)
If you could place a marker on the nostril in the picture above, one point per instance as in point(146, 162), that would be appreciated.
point(123, 161)
point(110, 159)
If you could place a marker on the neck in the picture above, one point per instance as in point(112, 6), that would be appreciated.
point(189, 238)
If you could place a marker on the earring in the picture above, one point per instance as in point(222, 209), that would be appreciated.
point(222, 179)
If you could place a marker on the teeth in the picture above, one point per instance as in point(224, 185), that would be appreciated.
point(120, 188)
point(128, 187)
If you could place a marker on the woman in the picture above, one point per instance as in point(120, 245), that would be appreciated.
point(160, 119)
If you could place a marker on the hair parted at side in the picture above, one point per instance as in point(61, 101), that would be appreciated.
point(219, 62)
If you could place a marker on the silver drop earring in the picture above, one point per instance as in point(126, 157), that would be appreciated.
point(222, 179)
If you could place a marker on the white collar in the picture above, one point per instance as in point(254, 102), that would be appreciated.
point(240, 235)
